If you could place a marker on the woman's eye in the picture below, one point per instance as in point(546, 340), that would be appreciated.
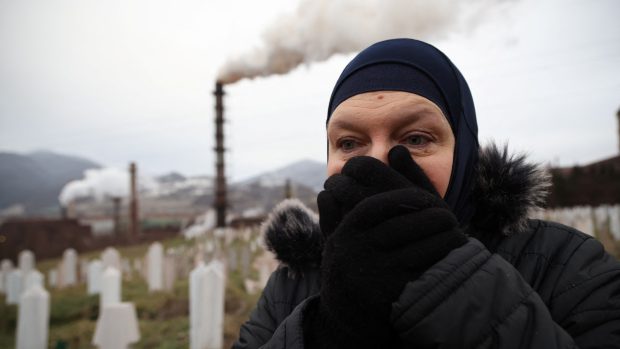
point(416, 140)
point(347, 144)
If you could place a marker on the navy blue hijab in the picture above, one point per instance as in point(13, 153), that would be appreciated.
point(417, 67)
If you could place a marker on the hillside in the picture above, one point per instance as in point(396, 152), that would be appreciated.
point(34, 180)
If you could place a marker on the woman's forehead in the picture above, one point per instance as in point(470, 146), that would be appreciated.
point(384, 106)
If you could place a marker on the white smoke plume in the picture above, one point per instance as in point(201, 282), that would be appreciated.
point(319, 29)
point(100, 184)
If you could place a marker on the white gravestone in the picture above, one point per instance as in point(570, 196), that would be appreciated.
point(264, 272)
point(111, 258)
point(117, 327)
point(26, 261)
point(232, 258)
point(83, 271)
point(69, 267)
point(583, 220)
point(52, 277)
point(6, 266)
point(210, 246)
point(32, 279)
point(614, 222)
point(93, 280)
point(245, 261)
point(126, 268)
point(33, 318)
point(60, 272)
point(601, 219)
point(156, 268)
point(207, 287)
point(14, 286)
point(170, 272)
point(137, 266)
point(145, 267)
point(110, 287)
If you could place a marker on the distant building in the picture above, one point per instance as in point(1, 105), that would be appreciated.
point(591, 185)
point(45, 237)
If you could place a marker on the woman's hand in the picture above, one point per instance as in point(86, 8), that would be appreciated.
point(385, 225)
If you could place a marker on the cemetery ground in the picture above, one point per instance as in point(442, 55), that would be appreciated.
point(163, 316)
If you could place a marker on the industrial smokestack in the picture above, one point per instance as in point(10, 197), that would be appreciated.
point(319, 29)
point(288, 189)
point(116, 213)
point(134, 224)
point(220, 203)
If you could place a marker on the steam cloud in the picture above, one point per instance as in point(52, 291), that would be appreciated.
point(321, 28)
point(100, 184)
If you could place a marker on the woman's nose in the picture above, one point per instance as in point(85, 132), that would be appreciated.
point(380, 151)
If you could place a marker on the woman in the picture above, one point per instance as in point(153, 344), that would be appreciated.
point(423, 239)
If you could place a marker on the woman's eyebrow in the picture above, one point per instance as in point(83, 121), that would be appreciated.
point(409, 118)
point(342, 124)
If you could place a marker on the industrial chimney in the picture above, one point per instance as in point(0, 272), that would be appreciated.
point(288, 189)
point(220, 179)
point(134, 224)
point(116, 213)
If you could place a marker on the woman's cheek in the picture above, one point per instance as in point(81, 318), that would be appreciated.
point(334, 165)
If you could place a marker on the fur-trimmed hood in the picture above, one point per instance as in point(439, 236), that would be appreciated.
point(507, 189)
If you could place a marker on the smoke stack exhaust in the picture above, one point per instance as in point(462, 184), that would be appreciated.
point(319, 29)
point(134, 227)
point(220, 202)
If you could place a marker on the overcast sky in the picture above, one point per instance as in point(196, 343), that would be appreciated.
point(118, 81)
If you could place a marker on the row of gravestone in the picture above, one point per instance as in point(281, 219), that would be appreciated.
point(593, 221)
point(24, 286)
point(117, 323)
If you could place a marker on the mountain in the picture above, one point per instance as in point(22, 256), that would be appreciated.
point(35, 180)
point(309, 173)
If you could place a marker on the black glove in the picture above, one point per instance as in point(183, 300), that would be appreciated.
point(385, 226)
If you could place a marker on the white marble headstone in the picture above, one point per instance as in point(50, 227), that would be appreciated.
point(52, 278)
point(117, 326)
point(110, 287)
point(137, 266)
point(14, 286)
point(111, 258)
point(69, 267)
point(207, 287)
point(601, 219)
point(93, 280)
point(156, 267)
point(245, 261)
point(83, 272)
point(60, 280)
point(614, 222)
point(32, 279)
point(33, 319)
point(170, 272)
point(126, 267)
point(26, 261)
point(232, 258)
point(6, 266)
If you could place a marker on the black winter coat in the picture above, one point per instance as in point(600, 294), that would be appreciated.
point(517, 283)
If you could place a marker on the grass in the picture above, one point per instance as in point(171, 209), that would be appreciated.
point(162, 316)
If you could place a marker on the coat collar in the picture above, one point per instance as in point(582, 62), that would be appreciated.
point(507, 189)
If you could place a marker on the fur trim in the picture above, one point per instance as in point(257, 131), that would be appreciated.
point(293, 234)
point(507, 190)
